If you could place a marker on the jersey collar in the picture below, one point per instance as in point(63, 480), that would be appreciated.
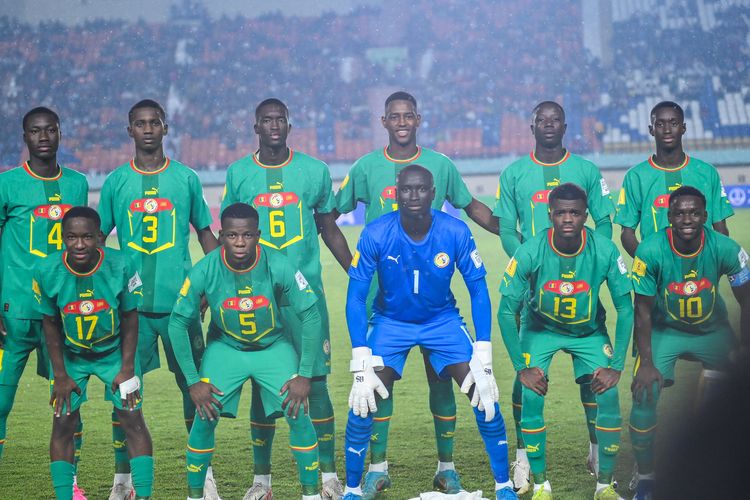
point(144, 172)
point(559, 162)
point(28, 170)
point(406, 160)
point(670, 237)
point(257, 161)
point(76, 273)
point(684, 163)
point(550, 238)
point(241, 271)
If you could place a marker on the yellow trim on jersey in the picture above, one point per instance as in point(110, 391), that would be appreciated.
point(28, 170)
point(241, 271)
point(406, 160)
point(74, 272)
point(684, 163)
point(147, 172)
point(286, 162)
point(559, 162)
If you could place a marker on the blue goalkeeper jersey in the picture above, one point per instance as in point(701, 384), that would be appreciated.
point(414, 278)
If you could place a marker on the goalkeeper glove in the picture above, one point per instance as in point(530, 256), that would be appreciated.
point(481, 376)
point(362, 395)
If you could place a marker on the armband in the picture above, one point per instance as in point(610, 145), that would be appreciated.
point(739, 279)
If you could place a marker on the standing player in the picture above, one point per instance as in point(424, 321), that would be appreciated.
point(242, 283)
point(414, 252)
point(152, 201)
point(291, 191)
point(371, 181)
point(679, 311)
point(522, 196)
point(558, 275)
point(644, 197)
point(88, 298)
point(33, 199)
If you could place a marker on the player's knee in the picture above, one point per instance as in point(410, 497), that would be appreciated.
point(532, 403)
point(132, 422)
point(608, 404)
point(64, 426)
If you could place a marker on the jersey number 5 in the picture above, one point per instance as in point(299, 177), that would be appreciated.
point(248, 321)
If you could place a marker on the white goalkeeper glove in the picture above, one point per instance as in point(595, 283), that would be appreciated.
point(362, 395)
point(481, 376)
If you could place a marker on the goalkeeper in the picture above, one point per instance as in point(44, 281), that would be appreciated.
point(414, 252)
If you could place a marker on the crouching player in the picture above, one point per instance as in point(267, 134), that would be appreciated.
point(414, 252)
point(88, 297)
point(558, 275)
point(242, 284)
point(679, 312)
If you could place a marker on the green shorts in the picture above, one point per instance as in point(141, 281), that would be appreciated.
point(24, 336)
point(668, 345)
point(293, 326)
point(153, 326)
point(105, 367)
point(589, 352)
point(228, 369)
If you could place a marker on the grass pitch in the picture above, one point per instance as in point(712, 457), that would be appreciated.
point(24, 471)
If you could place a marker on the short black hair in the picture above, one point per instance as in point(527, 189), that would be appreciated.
point(547, 103)
point(667, 105)
point(83, 213)
point(147, 103)
point(686, 191)
point(413, 167)
point(39, 110)
point(401, 96)
point(268, 102)
point(568, 191)
point(239, 211)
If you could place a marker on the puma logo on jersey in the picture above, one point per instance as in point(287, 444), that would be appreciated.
point(245, 291)
point(276, 185)
point(356, 452)
point(570, 275)
point(151, 192)
point(674, 187)
point(87, 293)
point(692, 274)
point(553, 183)
point(55, 197)
point(394, 259)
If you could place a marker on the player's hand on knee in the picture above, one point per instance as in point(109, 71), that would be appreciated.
point(366, 382)
point(62, 390)
point(297, 389)
point(481, 376)
point(534, 379)
point(604, 379)
point(129, 386)
point(644, 380)
point(206, 405)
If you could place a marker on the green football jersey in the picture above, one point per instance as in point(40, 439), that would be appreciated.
point(526, 183)
point(286, 197)
point(31, 212)
point(152, 212)
point(372, 180)
point(244, 304)
point(644, 197)
point(89, 304)
point(686, 287)
point(561, 291)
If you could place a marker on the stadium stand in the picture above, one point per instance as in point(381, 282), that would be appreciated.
point(475, 86)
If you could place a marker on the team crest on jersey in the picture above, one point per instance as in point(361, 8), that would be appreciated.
point(607, 349)
point(51, 212)
point(690, 287)
point(150, 205)
point(275, 200)
point(244, 304)
point(86, 307)
point(639, 267)
point(566, 287)
point(441, 260)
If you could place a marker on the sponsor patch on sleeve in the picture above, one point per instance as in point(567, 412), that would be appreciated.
point(510, 269)
point(355, 259)
point(344, 182)
point(621, 265)
point(301, 281)
point(185, 287)
point(742, 256)
point(35, 287)
point(723, 191)
point(639, 267)
point(134, 282)
point(476, 258)
point(605, 187)
point(621, 199)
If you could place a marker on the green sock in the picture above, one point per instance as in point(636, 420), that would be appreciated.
point(516, 401)
point(443, 408)
point(262, 431)
point(78, 442)
point(608, 428)
point(200, 450)
point(7, 395)
point(643, 429)
point(534, 433)
point(143, 475)
point(62, 479)
point(590, 408)
point(304, 445)
point(120, 444)
point(381, 422)
point(321, 414)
